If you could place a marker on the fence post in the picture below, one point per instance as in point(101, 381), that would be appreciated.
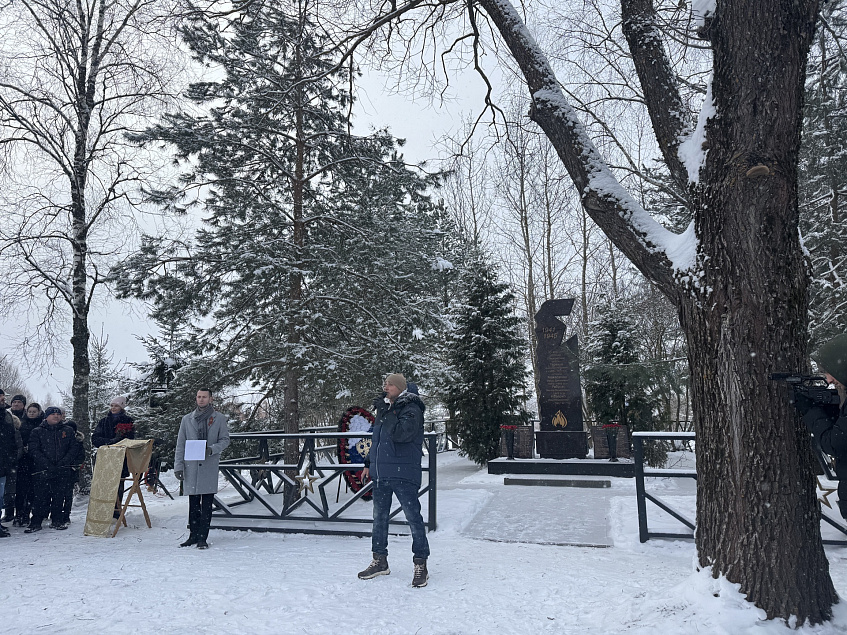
point(433, 478)
point(638, 451)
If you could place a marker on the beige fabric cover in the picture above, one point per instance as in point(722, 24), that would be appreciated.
point(107, 475)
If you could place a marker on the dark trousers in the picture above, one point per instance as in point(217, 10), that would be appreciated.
point(407, 496)
point(24, 494)
point(53, 496)
point(200, 514)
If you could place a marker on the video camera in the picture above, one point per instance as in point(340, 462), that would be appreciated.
point(814, 387)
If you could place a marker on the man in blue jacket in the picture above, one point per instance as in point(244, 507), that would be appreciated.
point(394, 465)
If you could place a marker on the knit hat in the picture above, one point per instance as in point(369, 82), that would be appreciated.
point(832, 357)
point(52, 410)
point(396, 379)
point(19, 398)
point(120, 400)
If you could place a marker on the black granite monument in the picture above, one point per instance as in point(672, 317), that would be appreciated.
point(562, 434)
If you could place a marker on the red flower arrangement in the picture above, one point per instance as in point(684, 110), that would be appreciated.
point(123, 429)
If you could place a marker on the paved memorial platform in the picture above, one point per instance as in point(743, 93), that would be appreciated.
point(534, 514)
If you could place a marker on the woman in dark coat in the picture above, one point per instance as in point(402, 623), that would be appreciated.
point(112, 428)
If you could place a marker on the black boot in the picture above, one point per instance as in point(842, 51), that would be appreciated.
point(202, 544)
point(378, 566)
point(192, 540)
point(33, 528)
point(4, 533)
point(421, 574)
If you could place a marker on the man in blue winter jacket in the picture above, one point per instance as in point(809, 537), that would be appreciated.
point(394, 466)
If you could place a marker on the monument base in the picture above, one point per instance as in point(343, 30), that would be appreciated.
point(573, 467)
point(562, 444)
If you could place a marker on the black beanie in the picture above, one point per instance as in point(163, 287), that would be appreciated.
point(19, 398)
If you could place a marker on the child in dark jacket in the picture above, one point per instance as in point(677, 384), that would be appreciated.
point(56, 454)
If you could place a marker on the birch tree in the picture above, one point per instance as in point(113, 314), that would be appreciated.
point(74, 78)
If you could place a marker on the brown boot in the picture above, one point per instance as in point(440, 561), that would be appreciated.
point(378, 566)
point(421, 574)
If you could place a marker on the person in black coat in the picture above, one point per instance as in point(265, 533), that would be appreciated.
point(829, 423)
point(112, 428)
point(11, 448)
point(56, 454)
point(18, 409)
point(25, 492)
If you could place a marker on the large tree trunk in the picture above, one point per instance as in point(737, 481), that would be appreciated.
point(743, 304)
point(757, 514)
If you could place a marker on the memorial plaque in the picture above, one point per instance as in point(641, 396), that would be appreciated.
point(562, 434)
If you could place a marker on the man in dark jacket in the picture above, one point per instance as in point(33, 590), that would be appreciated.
point(829, 423)
point(11, 448)
point(24, 492)
point(112, 428)
point(56, 455)
point(394, 465)
point(17, 406)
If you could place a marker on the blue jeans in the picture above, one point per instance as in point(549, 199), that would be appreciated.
point(407, 496)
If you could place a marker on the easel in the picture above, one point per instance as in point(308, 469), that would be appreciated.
point(137, 463)
point(153, 482)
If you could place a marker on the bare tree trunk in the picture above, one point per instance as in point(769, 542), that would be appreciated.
point(295, 278)
point(613, 269)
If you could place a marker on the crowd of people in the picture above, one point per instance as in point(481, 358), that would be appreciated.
point(41, 456)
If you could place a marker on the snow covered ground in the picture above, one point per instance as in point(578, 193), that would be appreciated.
point(64, 582)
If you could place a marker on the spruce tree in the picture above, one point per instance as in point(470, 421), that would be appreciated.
point(823, 175)
point(618, 385)
point(488, 357)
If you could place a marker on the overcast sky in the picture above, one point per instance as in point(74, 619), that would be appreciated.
point(422, 124)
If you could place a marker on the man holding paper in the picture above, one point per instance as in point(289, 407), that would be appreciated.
point(203, 435)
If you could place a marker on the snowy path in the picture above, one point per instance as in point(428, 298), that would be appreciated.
point(63, 582)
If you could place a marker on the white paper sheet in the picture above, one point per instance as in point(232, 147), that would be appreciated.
point(195, 450)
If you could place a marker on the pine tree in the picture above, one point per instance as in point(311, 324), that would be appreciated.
point(487, 354)
point(316, 268)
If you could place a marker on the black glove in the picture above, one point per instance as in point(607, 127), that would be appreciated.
point(803, 403)
point(179, 474)
point(208, 450)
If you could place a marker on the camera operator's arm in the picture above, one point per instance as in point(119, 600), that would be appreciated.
point(829, 428)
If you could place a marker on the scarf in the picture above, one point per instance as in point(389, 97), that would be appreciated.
point(201, 420)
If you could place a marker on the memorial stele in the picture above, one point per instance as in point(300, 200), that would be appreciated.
point(562, 433)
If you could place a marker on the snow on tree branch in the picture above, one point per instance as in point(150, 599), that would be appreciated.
point(657, 252)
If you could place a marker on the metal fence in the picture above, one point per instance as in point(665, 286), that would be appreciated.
point(641, 473)
point(638, 439)
point(260, 481)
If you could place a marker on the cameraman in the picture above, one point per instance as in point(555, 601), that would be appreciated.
point(829, 423)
